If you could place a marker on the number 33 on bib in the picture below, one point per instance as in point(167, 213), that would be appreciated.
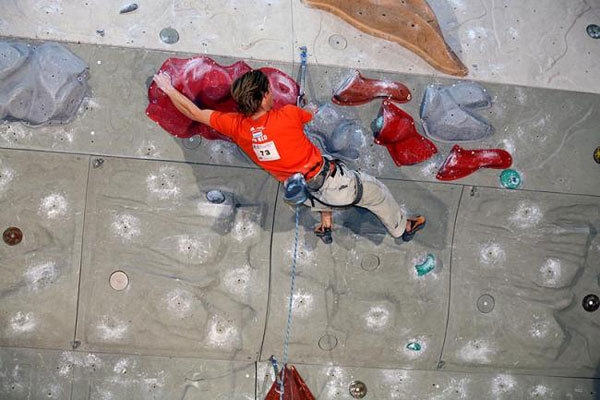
point(266, 151)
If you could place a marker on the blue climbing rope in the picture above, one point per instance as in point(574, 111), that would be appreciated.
point(288, 326)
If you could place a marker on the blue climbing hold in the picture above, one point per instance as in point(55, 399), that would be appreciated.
point(426, 266)
point(593, 30)
point(510, 179)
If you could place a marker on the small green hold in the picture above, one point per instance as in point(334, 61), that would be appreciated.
point(510, 179)
point(426, 266)
point(414, 346)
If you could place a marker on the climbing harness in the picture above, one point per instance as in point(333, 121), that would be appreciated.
point(313, 187)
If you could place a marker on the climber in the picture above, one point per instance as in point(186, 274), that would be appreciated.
point(275, 141)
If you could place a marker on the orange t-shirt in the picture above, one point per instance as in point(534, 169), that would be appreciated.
point(275, 142)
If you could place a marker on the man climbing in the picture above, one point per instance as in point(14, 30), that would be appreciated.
point(275, 141)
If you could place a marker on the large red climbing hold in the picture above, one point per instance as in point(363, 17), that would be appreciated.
point(293, 385)
point(395, 129)
point(356, 90)
point(461, 162)
point(208, 84)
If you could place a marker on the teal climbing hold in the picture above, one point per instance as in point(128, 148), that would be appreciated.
point(426, 266)
point(510, 179)
point(414, 346)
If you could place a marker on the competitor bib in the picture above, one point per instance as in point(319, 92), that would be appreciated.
point(266, 151)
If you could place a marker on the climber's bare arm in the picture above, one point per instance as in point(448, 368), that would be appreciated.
point(182, 103)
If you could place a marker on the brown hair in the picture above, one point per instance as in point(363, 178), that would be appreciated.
point(248, 91)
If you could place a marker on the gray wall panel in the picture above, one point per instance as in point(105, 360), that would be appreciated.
point(43, 195)
point(536, 254)
point(333, 382)
point(362, 292)
point(198, 272)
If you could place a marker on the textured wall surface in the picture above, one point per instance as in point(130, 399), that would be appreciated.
point(502, 41)
point(110, 195)
point(206, 299)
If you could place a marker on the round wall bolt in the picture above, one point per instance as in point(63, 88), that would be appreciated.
point(12, 236)
point(370, 262)
point(485, 303)
point(597, 155)
point(191, 143)
point(119, 280)
point(98, 162)
point(357, 389)
point(169, 35)
point(328, 342)
point(337, 41)
point(590, 303)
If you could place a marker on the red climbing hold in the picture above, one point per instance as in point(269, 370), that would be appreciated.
point(208, 84)
point(294, 387)
point(461, 162)
point(396, 130)
point(356, 90)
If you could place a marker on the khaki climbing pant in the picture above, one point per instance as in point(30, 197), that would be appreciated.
point(340, 189)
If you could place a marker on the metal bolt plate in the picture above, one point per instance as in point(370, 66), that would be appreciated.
point(12, 236)
point(357, 389)
point(370, 262)
point(597, 155)
point(485, 303)
point(590, 303)
point(328, 342)
point(338, 42)
point(118, 280)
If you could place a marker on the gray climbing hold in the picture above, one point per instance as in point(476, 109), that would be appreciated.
point(337, 132)
point(215, 196)
point(128, 8)
point(169, 35)
point(40, 84)
point(447, 112)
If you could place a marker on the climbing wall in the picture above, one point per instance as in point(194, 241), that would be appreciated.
point(157, 267)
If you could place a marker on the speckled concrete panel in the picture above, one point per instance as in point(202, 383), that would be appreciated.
point(112, 121)
point(197, 271)
point(142, 377)
point(333, 382)
point(45, 374)
point(237, 28)
point(34, 374)
point(43, 196)
point(537, 256)
point(360, 301)
point(551, 135)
